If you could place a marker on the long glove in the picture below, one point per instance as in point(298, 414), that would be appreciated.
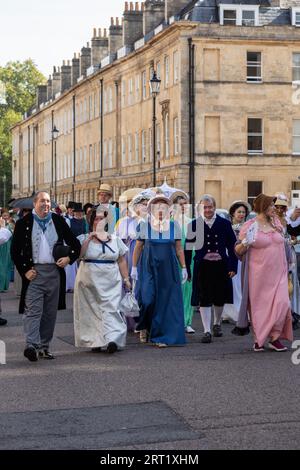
point(134, 273)
point(184, 275)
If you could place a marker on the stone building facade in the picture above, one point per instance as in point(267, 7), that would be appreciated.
point(228, 115)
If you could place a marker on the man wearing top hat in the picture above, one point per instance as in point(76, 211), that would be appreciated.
point(40, 256)
point(105, 193)
point(69, 213)
point(78, 223)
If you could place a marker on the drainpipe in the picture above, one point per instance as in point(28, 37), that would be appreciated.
point(192, 123)
point(28, 160)
point(101, 129)
point(74, 147)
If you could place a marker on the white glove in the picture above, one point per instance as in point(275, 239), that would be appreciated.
point(251, 235)
point(184, 276)
point(134, 273)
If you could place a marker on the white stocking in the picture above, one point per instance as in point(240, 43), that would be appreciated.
point(218, 311)
point(206, 318)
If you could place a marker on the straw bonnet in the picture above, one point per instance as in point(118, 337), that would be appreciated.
point(105, 188)
point(158, 198)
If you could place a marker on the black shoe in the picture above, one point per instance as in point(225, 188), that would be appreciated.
point(112, 348)
point(217, 331)
point(31, 354)
point(206, 338)
point(46, 354)
point(2, 321)
point(96, 350)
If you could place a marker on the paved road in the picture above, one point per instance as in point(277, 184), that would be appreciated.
point(217, 396)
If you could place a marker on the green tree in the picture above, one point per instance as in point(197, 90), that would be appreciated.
point(20, 80)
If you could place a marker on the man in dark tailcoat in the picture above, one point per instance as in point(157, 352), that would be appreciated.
point(37, 240)
point(215, 264)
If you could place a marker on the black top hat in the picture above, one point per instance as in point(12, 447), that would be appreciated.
point(71, 205)
point(77, 207)
point(87, 206)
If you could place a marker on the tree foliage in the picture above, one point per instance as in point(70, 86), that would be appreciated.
point(19, 80)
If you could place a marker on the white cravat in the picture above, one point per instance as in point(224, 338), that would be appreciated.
point(210, 222)
point(45, 255)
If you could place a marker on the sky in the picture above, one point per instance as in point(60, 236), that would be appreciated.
point(50, 31)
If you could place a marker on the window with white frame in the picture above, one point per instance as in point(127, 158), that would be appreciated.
point(95, 105)
point(176, 66)
point(144, 85)
point(254, 189)
point(104, 102)
point(105, 154)
point(85, 162)
point(137, 87)
point(130, 91)
point(123, 91)
point(248, 18)
point(239, 15)
point(167, 136)
point(85, 110)
point(295, 12)
point(167, 71)
point(137, 147)
point(110, 153)
point(229, 17)
point(95, 157)
point(81, 113)
point(91, 159)
point(151, 145)
point(296, 136)
point(296, 66)
point(144, 149)
point(176, 136)
point(158, 70)
point(255, 135)
point(91, 108)
point(123, 150)
point(110, 100)
point(254, 69)
point(65, 166)
point(130, 148)
point(80, 161)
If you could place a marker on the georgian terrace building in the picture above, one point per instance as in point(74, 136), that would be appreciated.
point(228, 115)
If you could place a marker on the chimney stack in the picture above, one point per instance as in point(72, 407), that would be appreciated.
point(173, 7)
point(115, 40)
point(132, 23)
point(41, 95)
point(85, 59)
point(55, 81)
point(99, 46)
point(66, 76)
point(49, 88)
point(154, 15)
point(75, 72)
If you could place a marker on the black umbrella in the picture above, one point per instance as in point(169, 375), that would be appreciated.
point(27, 203)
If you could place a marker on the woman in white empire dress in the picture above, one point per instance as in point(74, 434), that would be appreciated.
point(239, 212)
point(98, 322)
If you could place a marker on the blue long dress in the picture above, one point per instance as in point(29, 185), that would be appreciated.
point(159, 288)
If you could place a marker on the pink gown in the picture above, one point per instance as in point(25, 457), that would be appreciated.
point(268, 287)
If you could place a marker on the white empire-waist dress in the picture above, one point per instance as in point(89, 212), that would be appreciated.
point(97, 295)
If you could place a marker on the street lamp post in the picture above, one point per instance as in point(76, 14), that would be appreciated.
point(154, 90)
point(55, 133)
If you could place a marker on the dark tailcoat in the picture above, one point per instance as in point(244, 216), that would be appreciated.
point(221, 239)
point(21, 252)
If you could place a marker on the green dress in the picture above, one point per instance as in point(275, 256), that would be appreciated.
point(188, 286)
point(5, 264)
